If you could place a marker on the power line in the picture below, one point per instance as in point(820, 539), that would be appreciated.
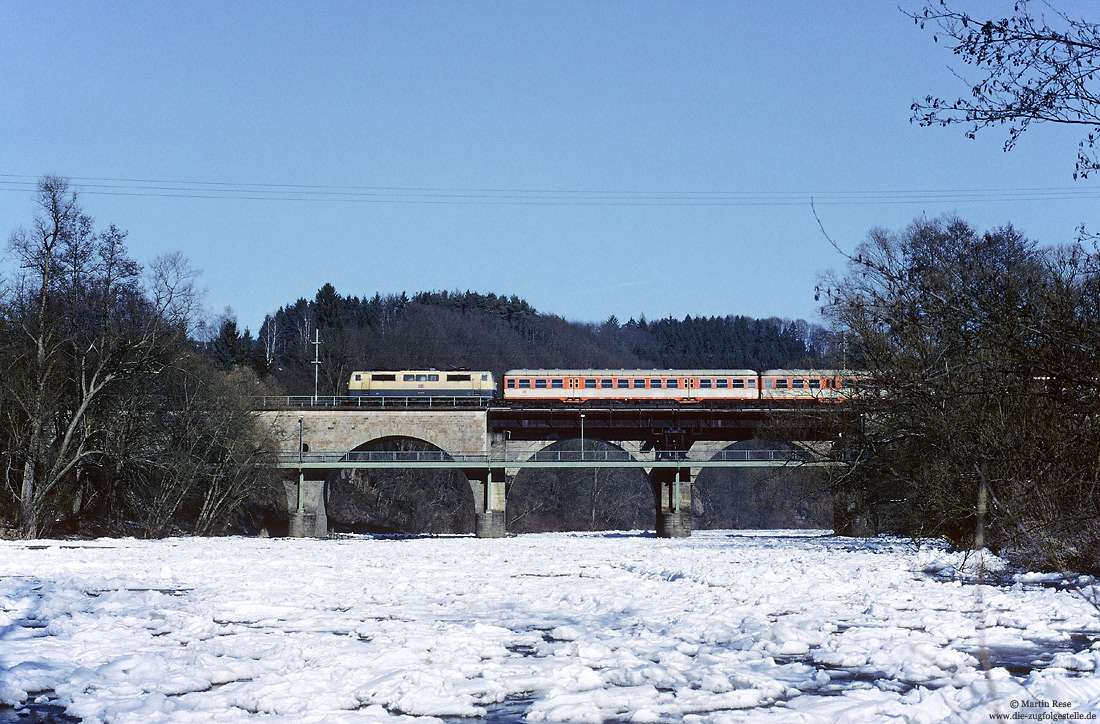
point(325, 193)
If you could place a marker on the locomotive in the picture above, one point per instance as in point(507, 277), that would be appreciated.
point(422, 383)
point(581, 385)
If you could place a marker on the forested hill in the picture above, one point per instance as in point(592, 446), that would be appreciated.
point(469, 330)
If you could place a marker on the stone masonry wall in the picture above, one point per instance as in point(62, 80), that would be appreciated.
point(464, 431)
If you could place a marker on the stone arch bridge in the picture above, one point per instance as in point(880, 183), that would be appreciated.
point(490, 445)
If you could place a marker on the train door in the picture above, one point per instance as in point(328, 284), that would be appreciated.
point(573, 387)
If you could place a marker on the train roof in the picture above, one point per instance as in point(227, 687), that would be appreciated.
point(677, 372)
point(807, 373)
point(422, 370)
point(631, 373)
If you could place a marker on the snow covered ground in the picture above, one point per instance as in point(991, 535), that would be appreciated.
point(719, 628)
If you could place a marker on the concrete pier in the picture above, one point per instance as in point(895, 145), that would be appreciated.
point(306, 503)
point(490, 500)
point(490, 525)
point(672, 492)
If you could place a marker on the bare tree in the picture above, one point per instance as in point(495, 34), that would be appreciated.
point(208, 457)
point(176, 298)
point(1027, 67)
point(977, 408)
point(269, 340)
point(76, 311)
point(85, 343)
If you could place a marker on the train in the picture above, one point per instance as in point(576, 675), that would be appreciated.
point(685, 386)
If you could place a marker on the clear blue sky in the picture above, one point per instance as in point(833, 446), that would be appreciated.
point(595, 158)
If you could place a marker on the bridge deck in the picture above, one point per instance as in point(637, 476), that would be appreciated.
point(429, 459)
point(350, 404)
point(499, 406)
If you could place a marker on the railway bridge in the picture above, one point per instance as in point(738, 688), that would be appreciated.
point(491, 443)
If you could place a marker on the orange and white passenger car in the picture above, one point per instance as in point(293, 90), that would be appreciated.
point(684, 386)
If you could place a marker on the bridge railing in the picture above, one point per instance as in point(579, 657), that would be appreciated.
point(282, 402)
point(385, 456)
point(689, 455)
point(415, 457)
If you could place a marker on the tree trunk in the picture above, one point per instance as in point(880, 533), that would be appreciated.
point(27, 513)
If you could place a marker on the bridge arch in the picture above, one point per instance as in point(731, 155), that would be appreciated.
point(761, 497)
point(400, 444)
point(580, 498)
point(400, 500)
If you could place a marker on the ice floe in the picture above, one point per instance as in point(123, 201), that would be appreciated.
point(715, 629)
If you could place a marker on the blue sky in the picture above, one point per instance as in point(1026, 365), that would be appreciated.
point(595, 158)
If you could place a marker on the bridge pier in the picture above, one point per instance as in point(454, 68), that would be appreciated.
point(672, 491)
point(490, 490)
point(306, 503)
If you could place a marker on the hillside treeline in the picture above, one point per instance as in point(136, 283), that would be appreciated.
point(469, 330)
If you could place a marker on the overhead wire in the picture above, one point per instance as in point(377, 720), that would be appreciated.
point(327, 193)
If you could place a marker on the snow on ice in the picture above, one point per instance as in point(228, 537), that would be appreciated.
point(716, 629)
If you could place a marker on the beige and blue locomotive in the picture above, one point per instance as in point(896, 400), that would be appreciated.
point(422, 383)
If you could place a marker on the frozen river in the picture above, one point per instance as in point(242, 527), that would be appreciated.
point(719, 628)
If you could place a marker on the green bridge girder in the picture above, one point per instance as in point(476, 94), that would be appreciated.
point(551, 459)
